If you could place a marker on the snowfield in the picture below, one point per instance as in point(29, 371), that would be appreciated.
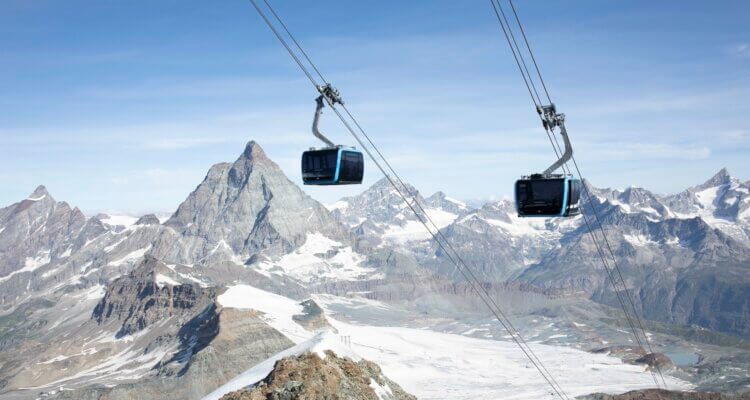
point(413, 230)
point(435, 365)
point(319, 257)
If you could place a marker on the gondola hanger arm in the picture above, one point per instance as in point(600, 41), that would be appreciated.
point(332, 96)
point(551, 119)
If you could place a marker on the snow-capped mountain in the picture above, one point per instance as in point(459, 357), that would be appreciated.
point(686, 257)
point(380, 212)
point(722, 201)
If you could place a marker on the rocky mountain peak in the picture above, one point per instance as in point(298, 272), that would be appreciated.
point(242, 208)
point(439, 195)
point(254, 152)
point(148, 219)
point(39, 192)
point(720, 178)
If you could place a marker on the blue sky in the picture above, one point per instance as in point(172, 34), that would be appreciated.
point(125, 105)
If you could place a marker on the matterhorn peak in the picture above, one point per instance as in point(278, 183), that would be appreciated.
point(242, 208)
point(254, 152)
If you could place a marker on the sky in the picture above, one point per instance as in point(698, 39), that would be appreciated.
point(123, 106)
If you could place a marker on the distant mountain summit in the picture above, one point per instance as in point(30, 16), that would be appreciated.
point(720, 200)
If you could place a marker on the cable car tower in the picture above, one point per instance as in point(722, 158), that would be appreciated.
point(548, 194)
point(332, 164)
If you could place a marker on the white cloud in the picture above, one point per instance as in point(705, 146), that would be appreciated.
point(181, 143)
point(736, 136)
point(645, 151)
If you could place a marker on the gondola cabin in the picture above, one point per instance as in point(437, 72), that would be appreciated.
point(551, 196)
point(332, 166)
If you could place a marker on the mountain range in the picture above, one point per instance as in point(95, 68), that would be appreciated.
point(91, 307)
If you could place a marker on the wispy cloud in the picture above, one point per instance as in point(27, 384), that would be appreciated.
point(182, 143)
point(645, 151)
point(736, 136)
point(166, 87)
point(741, 50)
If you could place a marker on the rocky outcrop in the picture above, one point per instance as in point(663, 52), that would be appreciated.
point(142, 298)
point(313, 318)
point(148, 219)
point(307, 376)
point(656, 361)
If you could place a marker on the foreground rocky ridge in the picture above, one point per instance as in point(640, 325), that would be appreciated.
point(308, 376)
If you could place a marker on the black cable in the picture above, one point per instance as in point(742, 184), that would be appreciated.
point(518, 49)
point(512, 49)
point(295, 41)
point(283, 42)
point(523, 33)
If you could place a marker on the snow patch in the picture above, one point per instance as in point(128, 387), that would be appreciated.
point(413, 230)
point(319, 257)
point(31, 264)
point(278, 310)
point(638, 240)
point(162, 280)
point(339, 205)
point(132, 256)
point(459, 203)
point(123, 220)
point(707, 197)
point(382, 391)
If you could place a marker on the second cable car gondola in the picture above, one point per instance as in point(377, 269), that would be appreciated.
point(548, 194)
point(333, 164)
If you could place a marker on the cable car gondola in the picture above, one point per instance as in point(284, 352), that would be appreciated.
point(333, 164)
point(548, 194)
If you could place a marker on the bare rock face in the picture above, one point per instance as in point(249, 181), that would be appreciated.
point(307, 376)
point(656, 361)
point(148, 219)
point(313, 318)
point(659, 394)
point(34, 232)
point(139, 299)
